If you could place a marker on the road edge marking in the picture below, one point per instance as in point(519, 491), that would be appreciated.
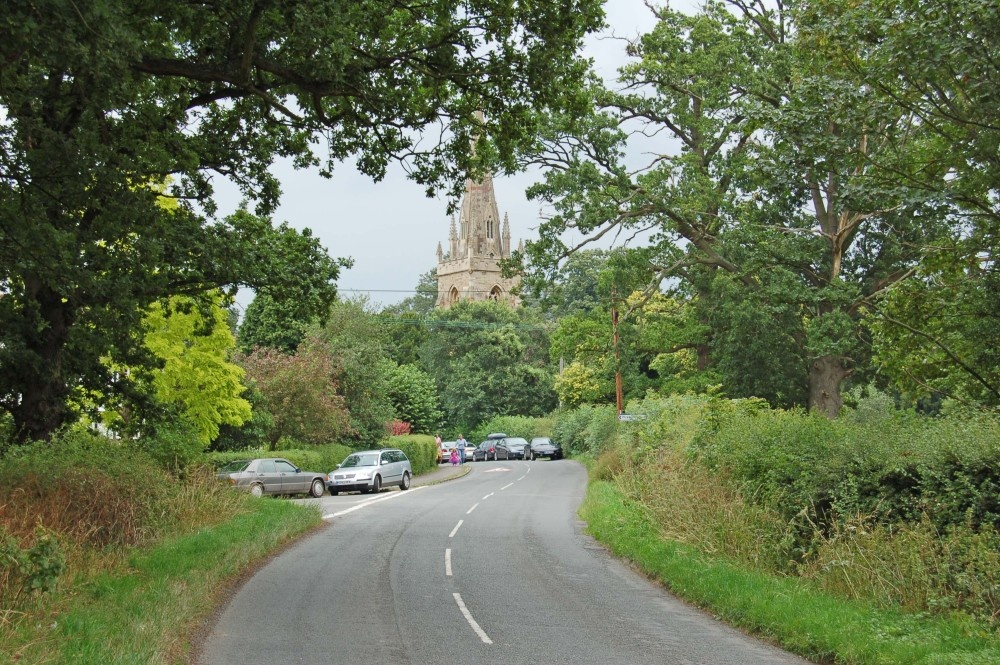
point(393, 495)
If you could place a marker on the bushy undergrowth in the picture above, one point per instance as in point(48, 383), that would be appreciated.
point(587, 430)
point(89, 501)
point(882, 506)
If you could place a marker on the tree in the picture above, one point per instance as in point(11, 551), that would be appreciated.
point(775, 176)
point(356, 345)
point(102, 99)
point(405, 321)
point(488, 360)
point(271, 323)
point(413, 393)
point(300, 393)
point(939, 62)
point(195, 347)
point(194, 377)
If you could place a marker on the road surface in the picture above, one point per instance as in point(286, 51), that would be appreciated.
point(491, 568)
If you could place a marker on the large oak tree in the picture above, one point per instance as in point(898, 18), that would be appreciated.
point(773, 168)
point(102, 101)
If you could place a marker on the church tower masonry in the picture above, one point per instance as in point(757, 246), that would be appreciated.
point(470, 269)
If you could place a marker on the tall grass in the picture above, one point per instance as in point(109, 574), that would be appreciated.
point(107, 558)
point(884, 508)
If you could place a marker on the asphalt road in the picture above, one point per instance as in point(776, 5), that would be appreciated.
point(491, 568)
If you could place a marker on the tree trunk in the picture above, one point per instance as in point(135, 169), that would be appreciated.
point(42, 408)
point(825, 376)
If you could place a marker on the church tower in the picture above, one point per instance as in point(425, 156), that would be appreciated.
point(470, 269)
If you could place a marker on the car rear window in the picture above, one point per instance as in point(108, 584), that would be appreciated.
point(235, 466)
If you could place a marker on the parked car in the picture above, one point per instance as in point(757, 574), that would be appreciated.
point(469, 449)
point(444, 452)
point(543, 446)
point(485, 451)
point(272, 475)
point(370, 471)
point(512, 447)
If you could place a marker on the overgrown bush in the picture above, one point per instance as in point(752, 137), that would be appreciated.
point(586, 430)
point(30, 568)
point(84, 488)
point(84, 501)
point(174, 445)
point(419, 448)
point(881, 505)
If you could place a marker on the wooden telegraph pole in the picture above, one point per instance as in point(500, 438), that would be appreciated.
point(618, 370)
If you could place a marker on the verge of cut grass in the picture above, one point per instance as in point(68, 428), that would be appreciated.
point(149, 614)
point(785, 611)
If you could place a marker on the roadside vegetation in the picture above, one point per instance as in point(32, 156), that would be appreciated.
point(870, 539)
point(801, 315)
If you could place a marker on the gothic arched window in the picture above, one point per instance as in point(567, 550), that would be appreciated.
point(453, 295)
point(496, 293)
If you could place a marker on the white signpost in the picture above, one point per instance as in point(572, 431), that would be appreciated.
point(630, 417)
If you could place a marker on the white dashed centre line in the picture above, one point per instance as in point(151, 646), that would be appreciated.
point(447, 562)
point(472, 622)
point(455, 530)
point(523, 477)
point(487, 496)
point(506, 486)
point(469, 511)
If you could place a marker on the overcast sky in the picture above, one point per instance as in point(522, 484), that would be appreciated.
point(391, 229)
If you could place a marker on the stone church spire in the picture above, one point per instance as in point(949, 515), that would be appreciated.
point(471, 269)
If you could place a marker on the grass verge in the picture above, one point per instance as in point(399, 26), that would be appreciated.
point(784, 611)
point(148, 614)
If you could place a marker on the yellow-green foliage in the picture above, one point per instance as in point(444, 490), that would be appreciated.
point(577, 384)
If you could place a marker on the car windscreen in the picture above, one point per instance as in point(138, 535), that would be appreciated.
point(360, 460)
point(235, 466)
point(517, 442)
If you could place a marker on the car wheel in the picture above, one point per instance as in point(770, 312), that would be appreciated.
point(405, 484)
point(257, 489)
point(318, 488)
point(377, 485)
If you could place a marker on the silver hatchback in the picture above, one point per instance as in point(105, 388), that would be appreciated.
point(370, 471)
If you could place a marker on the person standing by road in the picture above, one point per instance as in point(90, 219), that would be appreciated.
point(460, 444)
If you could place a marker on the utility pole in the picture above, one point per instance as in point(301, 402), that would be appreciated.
point(618, 370)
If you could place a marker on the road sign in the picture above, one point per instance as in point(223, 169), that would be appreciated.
point(630, 417)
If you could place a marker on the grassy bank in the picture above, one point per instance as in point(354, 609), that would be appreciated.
point(144, 611)
point(786, 611)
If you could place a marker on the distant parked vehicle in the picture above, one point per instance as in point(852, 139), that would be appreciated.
point(272, 475)
point(485, 451)
point(370, 471)
point(512, 447)
point(543, 446)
